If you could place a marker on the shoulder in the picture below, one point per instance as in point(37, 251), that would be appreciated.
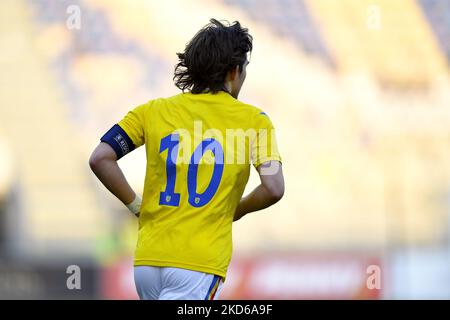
point(153, 105)
point(162, 102)
point(256, 115)
point(174, 98)
point(252, 109)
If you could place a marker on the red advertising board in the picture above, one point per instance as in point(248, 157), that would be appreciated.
point(278, 276)
point(304, 276)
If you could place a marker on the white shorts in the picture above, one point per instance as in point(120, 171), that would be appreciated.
point(167, 283)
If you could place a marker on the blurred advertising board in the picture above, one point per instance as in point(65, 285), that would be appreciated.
point(117, 280)
point(28, 280)
point(304, 276)
point(277, 276)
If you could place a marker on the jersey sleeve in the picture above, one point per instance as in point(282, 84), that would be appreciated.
point(128, 133)
point(264, 146)
point(133, 125)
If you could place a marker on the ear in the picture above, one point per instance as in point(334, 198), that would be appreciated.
point(234, 73)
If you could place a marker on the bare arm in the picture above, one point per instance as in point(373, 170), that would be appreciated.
point(103, 163)
point(269, 192)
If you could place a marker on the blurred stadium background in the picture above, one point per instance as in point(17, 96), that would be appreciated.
point(359, 91)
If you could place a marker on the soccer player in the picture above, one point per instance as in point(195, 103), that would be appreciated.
point(196, 173)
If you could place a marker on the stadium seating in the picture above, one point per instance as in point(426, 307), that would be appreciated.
point(348, 101)
point(59, 211)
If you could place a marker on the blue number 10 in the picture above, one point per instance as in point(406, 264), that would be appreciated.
point(168, 197)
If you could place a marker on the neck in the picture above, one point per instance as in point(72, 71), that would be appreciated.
point(227, 86)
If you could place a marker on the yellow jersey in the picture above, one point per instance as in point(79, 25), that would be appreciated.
point(199, 148)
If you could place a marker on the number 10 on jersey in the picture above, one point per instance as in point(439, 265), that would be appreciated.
point(169, 197)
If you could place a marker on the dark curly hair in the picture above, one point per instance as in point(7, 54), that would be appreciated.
point(214, 51)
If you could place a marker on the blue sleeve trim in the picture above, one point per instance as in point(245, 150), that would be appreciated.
point(118, 139)
point(264, 114)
